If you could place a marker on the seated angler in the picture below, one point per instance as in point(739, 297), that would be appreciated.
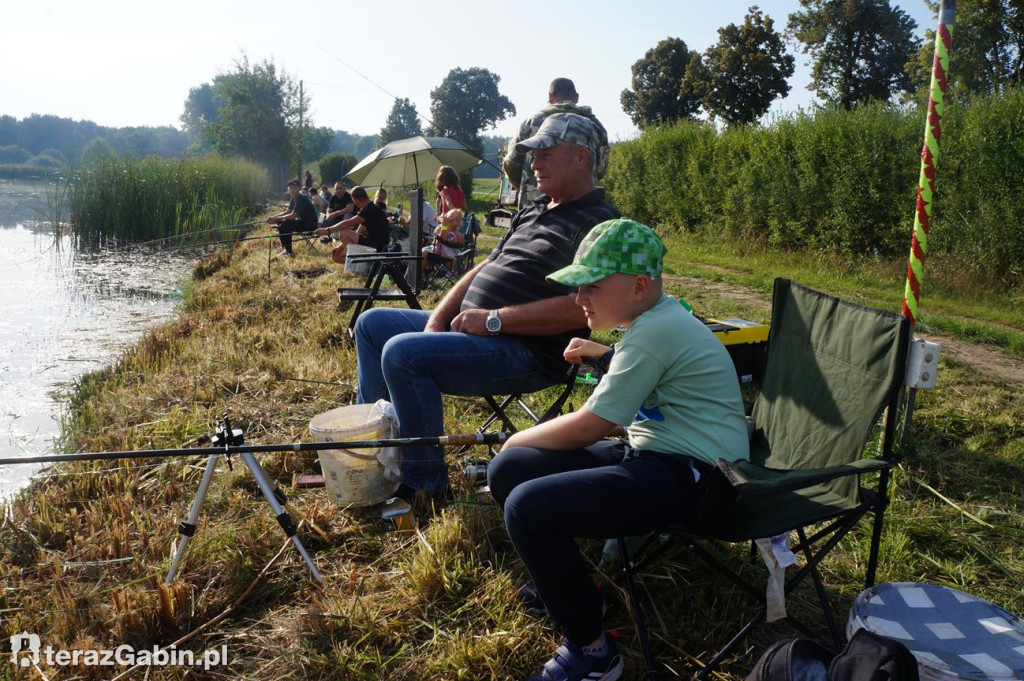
point(368, 227)
point(672, 384)
point(299, 216)
point(339, 206)
point(505, 323)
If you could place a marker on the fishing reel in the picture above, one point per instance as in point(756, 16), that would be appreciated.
point(227, 437)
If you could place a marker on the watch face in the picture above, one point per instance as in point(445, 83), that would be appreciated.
point(493, 323)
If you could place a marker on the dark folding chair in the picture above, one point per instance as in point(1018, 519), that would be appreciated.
point(834, 368)
point(505, 411)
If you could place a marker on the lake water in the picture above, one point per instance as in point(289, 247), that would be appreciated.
point(63, 314)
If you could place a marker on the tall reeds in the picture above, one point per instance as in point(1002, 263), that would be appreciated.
point(122, 199)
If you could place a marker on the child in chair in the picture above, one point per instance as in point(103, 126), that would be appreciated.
point(447, 239)
point(674, 387)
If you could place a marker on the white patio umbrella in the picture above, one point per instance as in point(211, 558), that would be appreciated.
point(411, 161)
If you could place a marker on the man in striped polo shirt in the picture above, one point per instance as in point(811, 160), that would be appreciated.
point(502, 328)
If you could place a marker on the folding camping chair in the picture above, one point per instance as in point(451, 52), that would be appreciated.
point(833, 369)
point(526, 407)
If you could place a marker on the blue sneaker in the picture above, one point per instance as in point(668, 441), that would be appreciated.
point(572, 663)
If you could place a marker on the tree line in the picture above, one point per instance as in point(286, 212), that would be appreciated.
point(860, 51)
point(262, 113)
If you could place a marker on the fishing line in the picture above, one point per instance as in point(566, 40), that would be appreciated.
point(395, 97)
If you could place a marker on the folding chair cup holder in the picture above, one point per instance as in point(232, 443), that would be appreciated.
point(833, 370)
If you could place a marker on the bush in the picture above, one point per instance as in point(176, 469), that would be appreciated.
point(335, 166)
point(13, 154)
point(838, 180)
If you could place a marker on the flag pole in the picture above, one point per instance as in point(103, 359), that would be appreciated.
point(929, 159)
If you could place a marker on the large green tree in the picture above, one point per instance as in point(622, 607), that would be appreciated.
point(858, 48)
point(251, 111)
point(657, 94)
point(466, 102)
point(316, 141)
point(740, 76)
point(403, 122)
point(202, 109)
point(988, 47)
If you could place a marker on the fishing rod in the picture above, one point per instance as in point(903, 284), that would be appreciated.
point(244, 238)
point(455, 440)
point(205, 231)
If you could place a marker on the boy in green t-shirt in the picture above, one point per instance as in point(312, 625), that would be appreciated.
point(672, 384)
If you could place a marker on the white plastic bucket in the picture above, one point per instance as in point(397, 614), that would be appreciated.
point(358, 267)
point(353, 477)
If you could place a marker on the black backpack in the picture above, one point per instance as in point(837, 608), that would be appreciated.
point(867, 657)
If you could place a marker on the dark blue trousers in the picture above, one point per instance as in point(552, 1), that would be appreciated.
point(551, 497)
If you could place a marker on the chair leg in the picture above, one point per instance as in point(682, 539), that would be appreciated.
point(819, 587)
point(876, 531)
point(634, 604)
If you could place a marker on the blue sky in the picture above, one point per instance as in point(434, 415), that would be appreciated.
point(132, 63)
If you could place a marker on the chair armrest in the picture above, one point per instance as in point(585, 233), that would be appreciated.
point(748, 478)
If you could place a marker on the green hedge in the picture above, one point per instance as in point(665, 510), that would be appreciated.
point(840, 180)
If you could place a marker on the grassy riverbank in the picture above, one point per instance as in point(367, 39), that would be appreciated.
point(84, 551)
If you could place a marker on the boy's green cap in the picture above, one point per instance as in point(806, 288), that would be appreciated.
point(614, 246)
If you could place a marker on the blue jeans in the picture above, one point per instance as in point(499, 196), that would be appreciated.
point(399, 362)
point(551, 497)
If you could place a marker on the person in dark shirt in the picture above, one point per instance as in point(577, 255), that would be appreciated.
point(506, 323)
point(368, 227)
point(340, 207)
point(299, 216)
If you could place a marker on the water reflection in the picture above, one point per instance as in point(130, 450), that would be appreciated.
point(64, 314)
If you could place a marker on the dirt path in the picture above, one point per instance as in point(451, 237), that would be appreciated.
point(986, 359)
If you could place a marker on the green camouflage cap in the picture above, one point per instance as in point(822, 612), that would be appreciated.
point(614, 246)
point(558, 128)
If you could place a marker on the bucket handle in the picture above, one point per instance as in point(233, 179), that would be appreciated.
point(364, 457)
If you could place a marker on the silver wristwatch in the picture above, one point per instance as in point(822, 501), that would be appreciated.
point(493, 323)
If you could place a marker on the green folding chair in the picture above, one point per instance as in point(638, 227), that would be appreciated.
point(835, 373)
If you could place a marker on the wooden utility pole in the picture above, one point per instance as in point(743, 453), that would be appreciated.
point(301, 142)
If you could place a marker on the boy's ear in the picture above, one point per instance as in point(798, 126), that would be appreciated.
point(641, 286)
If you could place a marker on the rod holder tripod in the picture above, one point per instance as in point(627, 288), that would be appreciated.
point(231, 439)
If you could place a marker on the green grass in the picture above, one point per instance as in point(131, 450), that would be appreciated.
point(439, 603)
point(962, 309)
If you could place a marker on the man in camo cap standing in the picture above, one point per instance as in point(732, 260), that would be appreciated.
point(505, 324)
point(562, 98)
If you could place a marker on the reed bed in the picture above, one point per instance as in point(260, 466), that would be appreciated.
point(83, 552)
point(121, 200)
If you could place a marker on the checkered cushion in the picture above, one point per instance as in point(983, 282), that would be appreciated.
point(952, 634)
